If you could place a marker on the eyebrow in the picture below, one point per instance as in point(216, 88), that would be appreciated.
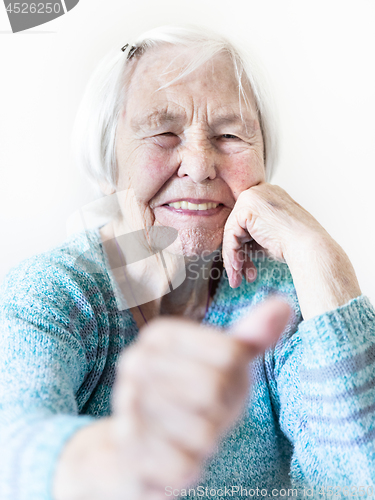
point(235, 119)
point(157, 118)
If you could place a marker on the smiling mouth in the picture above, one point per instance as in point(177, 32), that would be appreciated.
point(194, 207)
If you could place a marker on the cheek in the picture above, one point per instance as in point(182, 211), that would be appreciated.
point(149, 171)
point(243, 173)
point(157, 168)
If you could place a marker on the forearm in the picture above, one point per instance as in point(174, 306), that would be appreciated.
point(322, 273)
point(326, 390)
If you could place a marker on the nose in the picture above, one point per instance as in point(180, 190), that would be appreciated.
point(198, 161)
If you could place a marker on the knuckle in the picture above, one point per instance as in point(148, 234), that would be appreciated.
point(205, 437)
point(182, 466)
point(157, 328)
point(244, 195)
point(229, 356)
point(167, 334)
point(219, 391)
point(215, 388)
point(132, 361)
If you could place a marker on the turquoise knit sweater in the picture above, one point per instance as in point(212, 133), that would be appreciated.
point(309, 422)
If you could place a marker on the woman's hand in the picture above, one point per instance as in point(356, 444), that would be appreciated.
point(267, 214)
point(322, 273)
point(178, 389)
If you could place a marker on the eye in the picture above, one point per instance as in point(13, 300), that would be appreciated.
point(229, 136)
point(167, 140)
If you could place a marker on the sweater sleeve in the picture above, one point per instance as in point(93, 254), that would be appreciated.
point(325, 377)
point(47, 328)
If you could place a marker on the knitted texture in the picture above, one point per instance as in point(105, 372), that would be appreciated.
point(309, 420)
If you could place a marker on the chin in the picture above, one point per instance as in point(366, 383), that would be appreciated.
point(199, 242)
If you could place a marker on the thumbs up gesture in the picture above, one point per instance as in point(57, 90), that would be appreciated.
point(178, 389)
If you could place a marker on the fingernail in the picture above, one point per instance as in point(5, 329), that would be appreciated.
point(233, 278)
point(236, 265)
point(251, 275)
point(229, 271)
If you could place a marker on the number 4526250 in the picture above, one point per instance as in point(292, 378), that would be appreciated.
point(33, 8)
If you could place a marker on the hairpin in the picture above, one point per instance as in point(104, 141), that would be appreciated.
point(131, 51)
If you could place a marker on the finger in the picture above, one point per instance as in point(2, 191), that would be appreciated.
point(196, 387)
point(152, 458)
point(263, 326)
point(250, 271)
point(186, 429)
point(187, 339)
point(165, 463)
point(235, 237)
point(234, 277)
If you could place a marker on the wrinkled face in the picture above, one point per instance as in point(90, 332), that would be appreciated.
point(184, 151)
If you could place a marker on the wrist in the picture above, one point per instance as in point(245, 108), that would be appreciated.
point(88, 467)
point(309, 246)
point(322, 273)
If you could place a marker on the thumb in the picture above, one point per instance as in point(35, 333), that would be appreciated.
point(262, 326)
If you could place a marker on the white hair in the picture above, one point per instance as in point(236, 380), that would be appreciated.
point(94, 135)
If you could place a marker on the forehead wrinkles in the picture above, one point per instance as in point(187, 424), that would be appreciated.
point(158, 115)
point(211, 116)
point(213, 85)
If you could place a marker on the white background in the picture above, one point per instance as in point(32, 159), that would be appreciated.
point(320, 57)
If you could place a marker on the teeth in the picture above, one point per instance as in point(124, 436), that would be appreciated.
point(186, 205)
point(177, 204)
point(192, 206)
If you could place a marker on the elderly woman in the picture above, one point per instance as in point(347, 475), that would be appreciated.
point(177, 128)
